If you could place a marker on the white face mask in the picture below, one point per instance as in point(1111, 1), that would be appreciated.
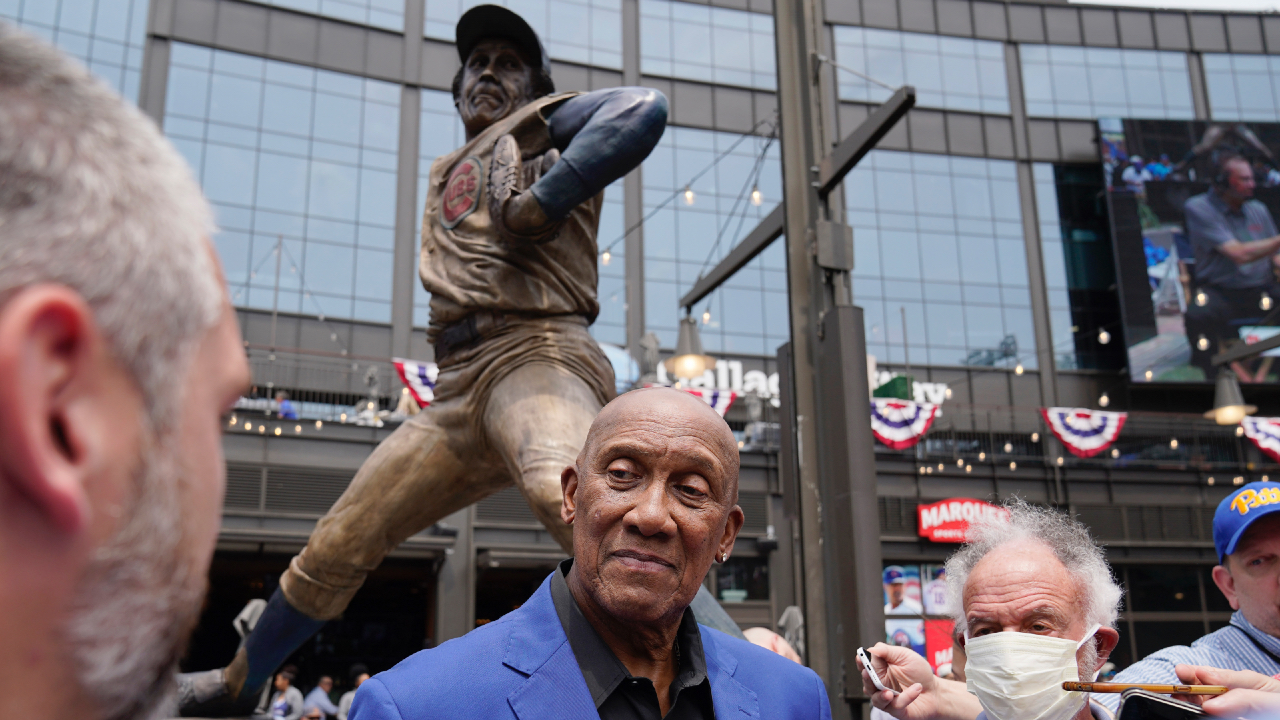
point(1019, 676)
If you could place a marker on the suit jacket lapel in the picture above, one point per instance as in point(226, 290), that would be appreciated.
point(732, 699)
point(537, 647)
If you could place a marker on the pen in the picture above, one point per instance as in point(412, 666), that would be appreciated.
point(1107, 687)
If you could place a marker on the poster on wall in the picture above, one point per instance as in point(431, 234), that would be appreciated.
point(938, 645)
point(906, 633)
point(1191, 205)
point(902, 590)
point(934, 592)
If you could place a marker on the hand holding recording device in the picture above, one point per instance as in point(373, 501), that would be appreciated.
point(875, 679)
point(1143, 705)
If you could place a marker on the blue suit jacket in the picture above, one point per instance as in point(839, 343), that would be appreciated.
point(521, 666)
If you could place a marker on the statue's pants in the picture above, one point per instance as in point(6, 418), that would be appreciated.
point(514, 407)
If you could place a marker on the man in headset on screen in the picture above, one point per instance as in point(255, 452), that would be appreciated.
point(1235, 243)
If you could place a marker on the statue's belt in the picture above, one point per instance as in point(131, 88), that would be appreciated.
point(478, 325)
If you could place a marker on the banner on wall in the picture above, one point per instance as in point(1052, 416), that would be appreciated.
point(1085, 433)
point(719, 399)
point(1265, 433)
point(938, 644)
point(419, 377)
point(948, 520)
point(900, 424)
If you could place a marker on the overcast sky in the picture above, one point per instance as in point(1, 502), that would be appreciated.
point(1223, 5)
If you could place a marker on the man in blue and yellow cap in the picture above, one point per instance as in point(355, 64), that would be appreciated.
point(1246, 534)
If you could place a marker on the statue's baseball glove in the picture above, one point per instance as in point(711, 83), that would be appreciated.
point(515, 212)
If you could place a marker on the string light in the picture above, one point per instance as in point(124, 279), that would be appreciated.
point(982, 456)
point(277, 431)
point(1115, 452)
point(757, 198)
point(688, 195)
point(1239, 431)
point(248, 425)
point(262, 429)
point(959, 462)
point(921, 469)
point(1202, 343)
point(605, 257)
point(1035, 437)
point(319, 424)
point(948, 393)
point(233, 422)
point(1147, 374)
point(1201, 298)
point(1173, 444)
point(1013, 465)
point(1237, 480)
point(1210, 480)
point(1008, 447)
point(1104, 337)
point(1104, 400)
point(940, 467)
point(1265, 302)
point(297, 429)
point(1060, 460)
point(706, 317)
point(968, 468)
point(1018, 369)
point(342, 417)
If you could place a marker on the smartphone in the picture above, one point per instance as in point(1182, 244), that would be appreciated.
point(1143, 705)
point(866, 663)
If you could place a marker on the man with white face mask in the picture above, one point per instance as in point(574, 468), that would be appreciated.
point(1037, 605)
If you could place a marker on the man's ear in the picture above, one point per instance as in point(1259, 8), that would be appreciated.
point(731, 527)
point(1105, 640)
point(569, 488)
point(1226, 583)
point(49, 343)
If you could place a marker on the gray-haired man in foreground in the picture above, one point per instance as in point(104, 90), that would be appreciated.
point(118, 353)
point(1036, 604)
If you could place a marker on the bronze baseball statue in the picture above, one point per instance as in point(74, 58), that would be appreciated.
point(509, 256)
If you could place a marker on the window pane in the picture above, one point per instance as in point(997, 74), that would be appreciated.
point(1164, 587)
point(106, 35)
point(711, 44)
point(1060, 81)
point(580, 31)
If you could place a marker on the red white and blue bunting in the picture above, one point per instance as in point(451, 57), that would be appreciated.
point(900, 424)
point(1085, 433)
point(1265, 433)
point(719, 400)
point(419, 377)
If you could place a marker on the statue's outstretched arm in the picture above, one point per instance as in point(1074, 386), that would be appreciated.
point(601, 136)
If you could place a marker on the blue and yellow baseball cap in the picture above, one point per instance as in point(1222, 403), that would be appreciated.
point(1240, 510)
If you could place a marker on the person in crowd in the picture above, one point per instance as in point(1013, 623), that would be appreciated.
point(1252, 695)
point(771, 641)
point(935, 593)
point(652, 498)
point(286, 700)
point(895, 590)
point(119, 352)
point(319, 697)
point(1136, 175)
point(1234, 241)
point(1161, 168)
point(358, 674)
point(1036, 604)
point(314, 713)
point(1246, 535)
point(284, 407)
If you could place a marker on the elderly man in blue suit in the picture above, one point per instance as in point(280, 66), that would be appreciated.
point(652, 499)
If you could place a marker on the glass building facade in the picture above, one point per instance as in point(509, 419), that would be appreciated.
point(1243, 87)
point(388, 14)
point(940, 256)
point(1091, 82)
point(106, 35)
point(296, 158)
point(953, 73)
point(707, 43)
point(580, 31)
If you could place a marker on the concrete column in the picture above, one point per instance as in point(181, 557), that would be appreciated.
point(1045, 361)
point(405, 259)
point(456, 581)
point(155, 60)
point(1199, 89)
point(633, 191)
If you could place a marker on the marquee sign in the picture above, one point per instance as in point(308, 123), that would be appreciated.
point(948, 520)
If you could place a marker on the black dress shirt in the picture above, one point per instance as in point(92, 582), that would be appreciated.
point(617, 694)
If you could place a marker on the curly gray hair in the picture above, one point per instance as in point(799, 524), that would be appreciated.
point(1066, 537)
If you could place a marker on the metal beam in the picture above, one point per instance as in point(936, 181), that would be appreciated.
point(761, 237)
point(831, 172)
point(840, 161)
point(1244, 352)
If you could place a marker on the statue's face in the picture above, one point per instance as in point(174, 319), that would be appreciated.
point(495, 82)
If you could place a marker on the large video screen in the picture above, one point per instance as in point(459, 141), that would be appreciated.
point(1193, 209)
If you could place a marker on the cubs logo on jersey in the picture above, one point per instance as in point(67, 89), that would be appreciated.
point(462, 192)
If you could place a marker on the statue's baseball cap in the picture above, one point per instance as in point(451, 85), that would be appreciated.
point(1241, 509)
point(486, 21)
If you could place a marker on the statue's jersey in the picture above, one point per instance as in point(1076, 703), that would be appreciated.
point(466, 266)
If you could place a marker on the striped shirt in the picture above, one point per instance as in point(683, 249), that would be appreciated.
point(1232, 647)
